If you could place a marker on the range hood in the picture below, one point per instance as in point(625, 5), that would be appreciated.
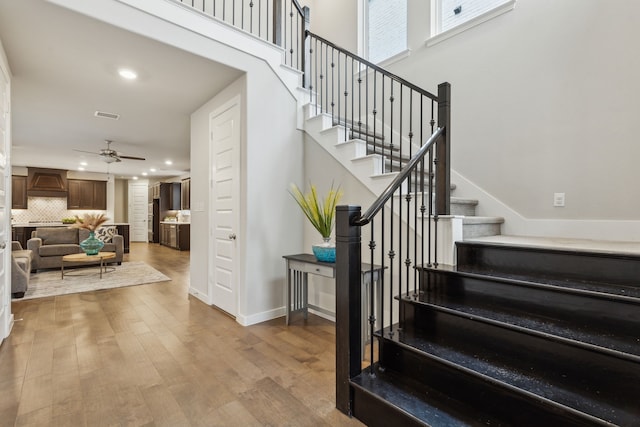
point(47, 182)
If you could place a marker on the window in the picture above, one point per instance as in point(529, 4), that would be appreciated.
point(454, 16)
point(385, 29)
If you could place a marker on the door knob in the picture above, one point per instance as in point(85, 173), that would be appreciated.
point(3, 245)
point(232, 236)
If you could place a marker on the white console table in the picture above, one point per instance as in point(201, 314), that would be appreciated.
point(298, 269)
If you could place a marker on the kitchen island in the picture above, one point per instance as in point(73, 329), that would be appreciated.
point(22, 231)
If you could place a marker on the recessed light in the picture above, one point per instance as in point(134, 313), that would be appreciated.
point(128, 74)
point(144, 174)
point(135, 177)
point(168, 162)
point(83, 163)
point(152, 170)
point(80, 168)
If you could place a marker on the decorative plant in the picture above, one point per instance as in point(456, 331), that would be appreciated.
point(321, 213)
point(90, 221)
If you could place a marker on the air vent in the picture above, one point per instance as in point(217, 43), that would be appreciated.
point(105, 115)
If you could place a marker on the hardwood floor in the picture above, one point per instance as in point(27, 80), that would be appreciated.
point(151, 355)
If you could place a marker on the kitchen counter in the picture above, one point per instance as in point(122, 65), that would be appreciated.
point(174, 222)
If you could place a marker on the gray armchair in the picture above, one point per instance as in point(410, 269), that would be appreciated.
point(20, 269)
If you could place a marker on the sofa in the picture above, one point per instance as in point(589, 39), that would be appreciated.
point(20, 269)
point(50, 244)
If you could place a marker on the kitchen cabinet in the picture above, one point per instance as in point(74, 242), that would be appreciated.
point(154, 192)
point(18, 192)
point(169, 197)
point(185, 194)
point(176, 236)
point(84, 194)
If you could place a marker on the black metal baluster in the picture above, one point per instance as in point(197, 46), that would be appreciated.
point(316, 74)
point(338, 92)
point(392, 255)
point(375, 109)
point(346, 97)
point(298, 57)
point(333, 66)
point(382, 271)
point(291, 33)
point(372, 317)
point(431, 186)
point(353, 96)
point(400, 121)
point(321, 80)
point(326, 81)
point(224, 9)
point(422, 207)
point(366, 107)
point(383, 148)
point(391, 100)
point(359, 100)
point(415, 196)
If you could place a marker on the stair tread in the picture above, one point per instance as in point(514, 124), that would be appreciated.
point(421, 401)
point(613, 290)
point(494, 310)
point(519, 375)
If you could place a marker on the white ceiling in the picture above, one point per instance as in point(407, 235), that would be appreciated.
point(64, 68)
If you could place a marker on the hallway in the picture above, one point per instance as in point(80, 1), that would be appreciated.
point(151, 355)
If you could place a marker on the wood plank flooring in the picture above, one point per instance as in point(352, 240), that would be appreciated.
point(152, 355)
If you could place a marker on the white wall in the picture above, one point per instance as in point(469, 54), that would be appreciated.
point(271, 158)
point(543, 102)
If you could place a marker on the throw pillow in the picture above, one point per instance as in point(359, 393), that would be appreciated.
point(106, 233)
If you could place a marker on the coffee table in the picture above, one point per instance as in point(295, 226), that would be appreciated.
point(83, 258)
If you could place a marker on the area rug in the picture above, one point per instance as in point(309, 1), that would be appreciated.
point(85, 279)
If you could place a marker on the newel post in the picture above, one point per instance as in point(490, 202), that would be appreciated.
point(443, 151)
point(348, 307)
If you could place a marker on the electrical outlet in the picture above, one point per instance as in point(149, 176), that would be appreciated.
point(558, 199)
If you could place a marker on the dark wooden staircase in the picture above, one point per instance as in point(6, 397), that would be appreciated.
point(512, 336)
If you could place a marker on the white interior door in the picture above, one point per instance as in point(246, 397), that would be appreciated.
point(5, 208)
point(225, 166)
point(138, 211)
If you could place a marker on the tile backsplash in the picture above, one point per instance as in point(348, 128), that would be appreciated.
point(46, 209)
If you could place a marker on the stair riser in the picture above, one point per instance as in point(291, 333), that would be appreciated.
point(570, 265)
point(513, 408)
point(591, 311)
point(376, 412)
point(597, 376)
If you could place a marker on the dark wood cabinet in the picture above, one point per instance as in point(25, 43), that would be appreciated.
point(18, 192)
point(185, 194)
point(169, 196)
point(176, 236)
point(84, 194)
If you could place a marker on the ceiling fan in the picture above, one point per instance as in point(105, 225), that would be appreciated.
point(108, 155)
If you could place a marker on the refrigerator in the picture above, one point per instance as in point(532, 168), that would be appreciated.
point(153, 221)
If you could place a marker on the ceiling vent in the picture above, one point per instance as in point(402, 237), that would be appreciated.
point(105, 115)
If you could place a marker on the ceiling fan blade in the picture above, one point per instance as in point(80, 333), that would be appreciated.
point(131, 157)
point(83, 151)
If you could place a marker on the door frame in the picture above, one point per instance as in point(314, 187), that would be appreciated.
point(234, 102)
point(6, 320)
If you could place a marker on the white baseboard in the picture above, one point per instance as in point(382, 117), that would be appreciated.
point(260, 317)
point(202, 297)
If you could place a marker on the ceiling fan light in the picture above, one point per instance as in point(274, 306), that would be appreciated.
point(108, 159)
